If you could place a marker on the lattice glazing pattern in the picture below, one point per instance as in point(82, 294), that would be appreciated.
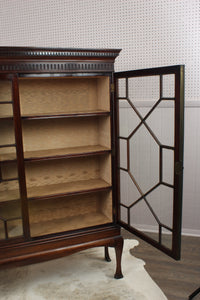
point(146, 158)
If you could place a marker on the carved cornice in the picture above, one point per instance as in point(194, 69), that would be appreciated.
point(18, 52)
point(29, 60)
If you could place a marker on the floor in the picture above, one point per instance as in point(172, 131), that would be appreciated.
point(177, 279)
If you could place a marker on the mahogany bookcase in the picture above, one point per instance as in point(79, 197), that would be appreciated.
point(59, 154)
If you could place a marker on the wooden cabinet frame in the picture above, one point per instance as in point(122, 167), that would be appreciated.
point(85, 169)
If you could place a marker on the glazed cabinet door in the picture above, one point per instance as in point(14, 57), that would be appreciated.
point(150, 111)
point(13, 209)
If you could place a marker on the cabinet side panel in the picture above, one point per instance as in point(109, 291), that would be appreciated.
point(103, 93)
point(105, 132)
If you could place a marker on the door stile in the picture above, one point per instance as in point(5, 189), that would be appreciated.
point(116, 195)
point(178, 163)
point(20, 157)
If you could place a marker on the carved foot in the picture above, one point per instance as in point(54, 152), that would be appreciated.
point(118, 251)
point(107, 256)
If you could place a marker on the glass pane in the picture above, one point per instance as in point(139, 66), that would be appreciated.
point(142, 218)
point(9, 170)
point(128, 119)
point(166, 238)
point(7, 139)
point(169, 85)
point(122, 88)
point(161, 201)
point(129, 192)
point(10, 218)
point(14, 228)
point(161, 121)
point(144, 92)
point(5, 95)
point(123, 153)
point(144, 159)
point(168, 166)
point(9, 185)
point(124, 214)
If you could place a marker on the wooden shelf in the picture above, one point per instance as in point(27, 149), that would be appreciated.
point(69, 188)
point(75, 114)
point(57, 153)
point(68, 223)
point(65, 152)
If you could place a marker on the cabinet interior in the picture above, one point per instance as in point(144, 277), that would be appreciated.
point(59, 95)
point(62, 176)
point(70, 213)
point(66, 133)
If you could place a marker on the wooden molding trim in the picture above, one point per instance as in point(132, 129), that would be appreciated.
point(33, 52)
point(54, 66)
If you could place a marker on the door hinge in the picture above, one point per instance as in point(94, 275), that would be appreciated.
point(178, 168)
point(112, 88)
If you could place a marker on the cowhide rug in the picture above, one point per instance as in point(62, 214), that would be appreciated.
point(82, 276)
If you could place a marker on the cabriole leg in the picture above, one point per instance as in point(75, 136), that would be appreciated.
point(107, 256)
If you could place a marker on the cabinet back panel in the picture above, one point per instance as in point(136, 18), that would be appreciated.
point(68, 170)
point(63, 95)
point(63, 133)
point(69, 213)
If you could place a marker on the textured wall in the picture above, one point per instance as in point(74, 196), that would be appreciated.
point(151, 33)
